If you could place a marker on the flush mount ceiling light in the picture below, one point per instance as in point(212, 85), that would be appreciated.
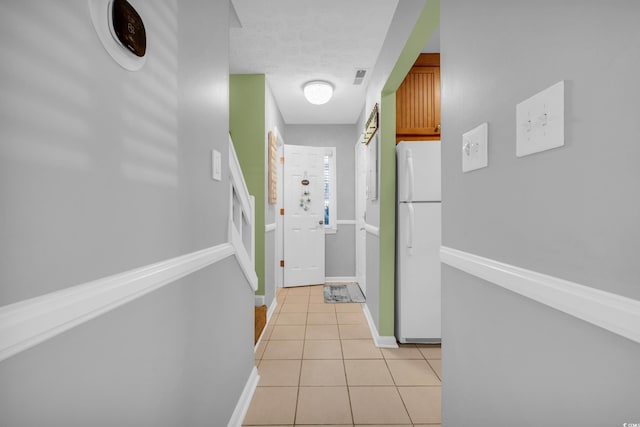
point(318, 92)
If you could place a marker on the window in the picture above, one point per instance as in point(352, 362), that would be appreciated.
point(330, 200)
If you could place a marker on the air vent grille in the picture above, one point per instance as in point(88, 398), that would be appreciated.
point(359, 77)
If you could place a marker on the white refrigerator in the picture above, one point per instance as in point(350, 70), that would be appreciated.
point(418, 239)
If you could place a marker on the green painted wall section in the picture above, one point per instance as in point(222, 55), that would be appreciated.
point(427, 22)
point(247, 128)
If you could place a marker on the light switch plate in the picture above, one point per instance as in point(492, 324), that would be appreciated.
point(474, 148)
point(540, 121)
point(216, 165)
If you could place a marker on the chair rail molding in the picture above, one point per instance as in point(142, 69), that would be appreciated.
point(27, 323)
point(613, 312)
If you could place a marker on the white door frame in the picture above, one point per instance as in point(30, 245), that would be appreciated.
point(361, 208)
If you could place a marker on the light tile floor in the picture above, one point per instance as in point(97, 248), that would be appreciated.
point(318, 365)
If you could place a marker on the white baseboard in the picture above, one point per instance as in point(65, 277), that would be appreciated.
point(380, 341)
point(615, 313)
point(339, 279)
point(245, 400)
point(272, 309)
point(259, 300)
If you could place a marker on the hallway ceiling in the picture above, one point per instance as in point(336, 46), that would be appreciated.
point(295, 41)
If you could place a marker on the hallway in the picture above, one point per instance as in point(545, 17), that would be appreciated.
point(318, 365)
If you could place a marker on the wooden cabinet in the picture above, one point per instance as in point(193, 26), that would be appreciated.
point(418, 101)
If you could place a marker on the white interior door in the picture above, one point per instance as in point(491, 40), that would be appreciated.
point(303, 215)
point(362, 169)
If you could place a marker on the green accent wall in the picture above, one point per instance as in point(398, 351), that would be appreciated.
point(247, 129)
point(427, 22)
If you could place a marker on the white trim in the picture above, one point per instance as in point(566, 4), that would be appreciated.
point(259, 300)
point(380, 341)
point(372, 229)
point(346, 222)
point(270, 227)
point(615, 313)
point(244, 260)
point(27, 323)
point(272, 309)
point(245, 400)
point(340, 279)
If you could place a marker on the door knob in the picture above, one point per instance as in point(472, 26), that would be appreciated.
point(321, 222)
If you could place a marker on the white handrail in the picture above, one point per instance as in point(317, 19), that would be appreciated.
point(238, 215)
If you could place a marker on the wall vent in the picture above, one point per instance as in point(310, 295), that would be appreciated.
point(359, 76)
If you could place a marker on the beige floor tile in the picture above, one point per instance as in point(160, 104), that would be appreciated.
point(423, 403)
point(288, 332)
point(322, 308)
point(260, 350)
point(297, 299)
point(279, 373)
point(316, 299)
point(367, 372)
point(321, 319)
point(350, 332)
point(299, 290)
point(283, 350)
point(316, 290)
point(322, 332)
point(351, 318)
point(293, 319)
point(294, 308)
point(322, 372)
point(348, 307)
point(266, 334)
point(323, 405)
point(377, 405)
point(436, 364)
point(430, 351)
point(322, 349)
point(403, 352)
point(412, 372)
point(272, 405)
point(360, 349)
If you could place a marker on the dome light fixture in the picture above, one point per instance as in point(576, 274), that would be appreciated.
point(318, 92)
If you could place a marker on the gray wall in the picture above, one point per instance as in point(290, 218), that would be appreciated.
point(570, 212)
point(400, 28)
point(339, 247)
point(104, 170)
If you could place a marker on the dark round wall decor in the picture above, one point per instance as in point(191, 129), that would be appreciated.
point(121, 31)
point(128, 28)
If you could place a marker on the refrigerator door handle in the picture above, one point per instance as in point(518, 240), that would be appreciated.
point(410, 176)
point(410, 228)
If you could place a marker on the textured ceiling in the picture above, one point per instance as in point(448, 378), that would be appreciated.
point(294, 41)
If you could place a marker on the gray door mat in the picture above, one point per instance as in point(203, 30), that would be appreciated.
point(335, 293)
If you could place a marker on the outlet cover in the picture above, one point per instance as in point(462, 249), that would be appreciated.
point(216, 165)
point(540, 121)
point(475, 148)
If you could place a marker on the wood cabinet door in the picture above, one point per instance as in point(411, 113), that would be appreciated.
point(418, 104)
